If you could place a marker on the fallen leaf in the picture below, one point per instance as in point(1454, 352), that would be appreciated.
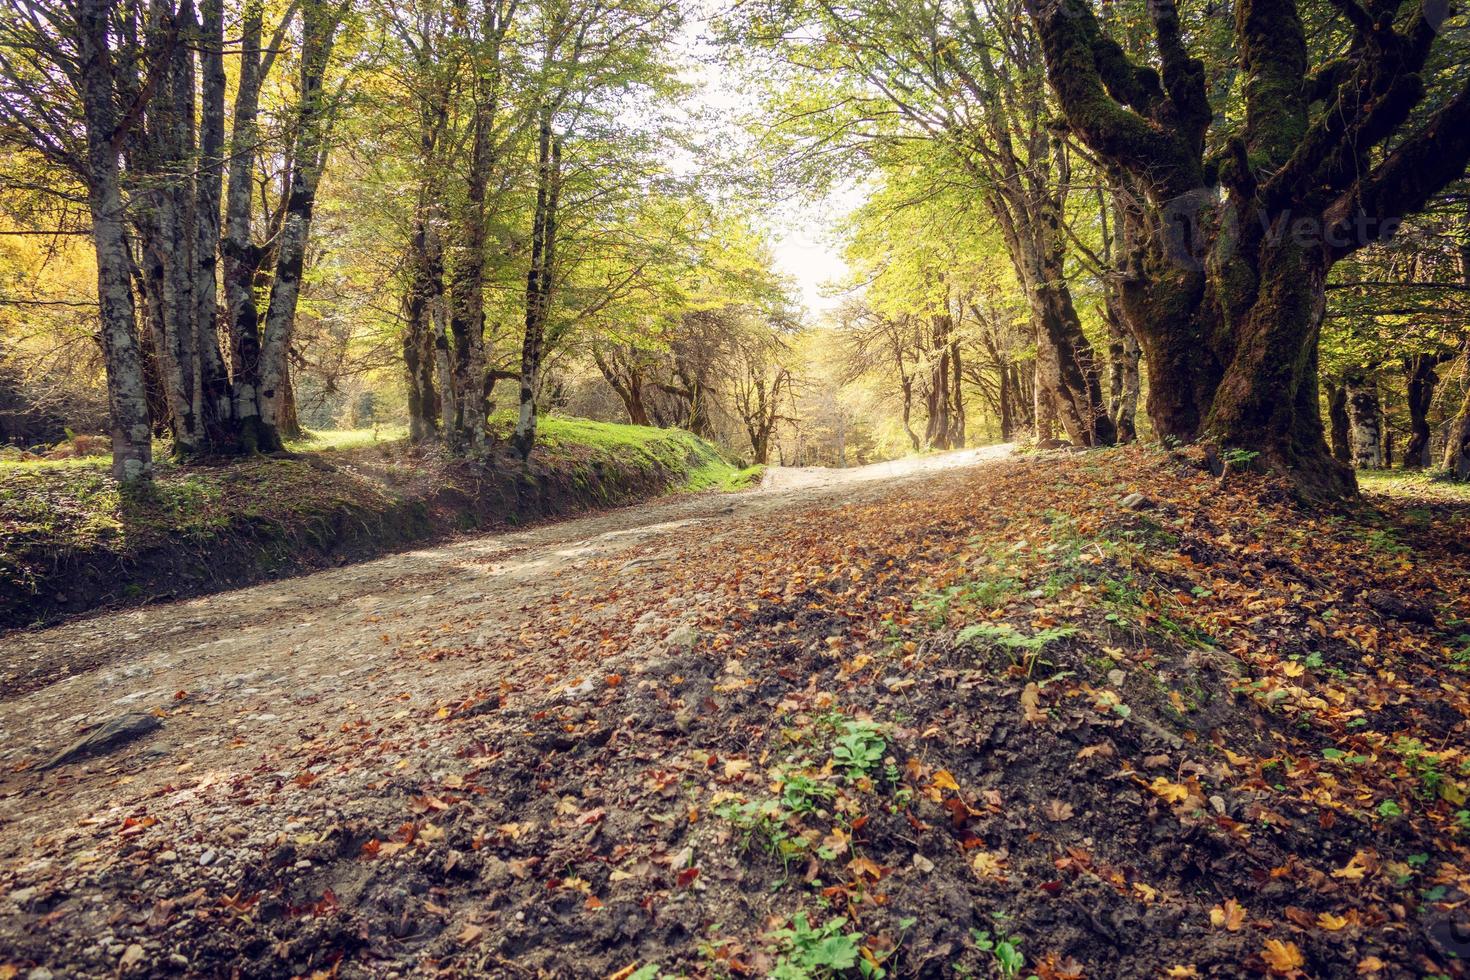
point(1031, 703)
point(1230, 916)
point(987, 864)
point(1356, 868)
point(1169, 792)
point(1057, 811)
point(1282, 957)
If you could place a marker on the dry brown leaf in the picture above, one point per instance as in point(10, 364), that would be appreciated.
point(1230, 916)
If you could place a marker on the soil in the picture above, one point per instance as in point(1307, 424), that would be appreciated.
point(626, 742)
point(281, 516)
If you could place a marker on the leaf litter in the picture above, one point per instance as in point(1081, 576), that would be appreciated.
point(974, 724)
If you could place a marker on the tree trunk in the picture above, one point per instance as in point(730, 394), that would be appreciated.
point(288, 424)
point(1043, 408)
point(539, 281)
point(1457, 446)
point(1339, 423)
point(242, 258)
point(957, 397)
point(425, 289)
point(937, 428)
point(319, 23)
point(1227, 257)
point(1422, 380)
point(132, 444)
point(217, 399)
point(1065, 365)
point(1365, 418)
point(1123, 383)
point(908, 413)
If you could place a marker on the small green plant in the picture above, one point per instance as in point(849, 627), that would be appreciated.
point(1422, 764)
point(801, 793)
point(809, 952)
point(858, 752)
point(1388, 809)
point(764, 823)
point(1460, 659)
point(1005, 949)
point(1238, 459)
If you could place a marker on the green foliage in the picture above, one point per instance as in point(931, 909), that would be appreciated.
point(1006, 951)
point(810, 953)
point(859, 750)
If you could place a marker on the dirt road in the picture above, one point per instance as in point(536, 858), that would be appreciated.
point(246, 680)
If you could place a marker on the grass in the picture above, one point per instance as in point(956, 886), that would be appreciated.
point(705, 467)
point(336, 440)
point(1413, 485)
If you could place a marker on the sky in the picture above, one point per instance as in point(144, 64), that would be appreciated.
point(802, 231)
point(802, 246)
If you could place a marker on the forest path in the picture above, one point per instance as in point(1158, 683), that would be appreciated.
point(242, 672)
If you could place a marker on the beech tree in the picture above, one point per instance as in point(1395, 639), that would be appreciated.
point(148, 85)
point(1226, 259)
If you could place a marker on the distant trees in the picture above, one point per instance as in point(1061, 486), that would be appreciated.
point(532, 179)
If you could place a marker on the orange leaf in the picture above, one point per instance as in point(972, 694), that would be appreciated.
point(1282, 957)
point(1230, 916)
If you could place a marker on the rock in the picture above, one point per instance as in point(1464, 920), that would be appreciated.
point(1116, 677)
point(23, 896)
point(206, 859)
point(582, 690)
point(1053, 444)
point(131, 957)
point(682, 638)
point(1397, 607)
point(39, 973)
point(1135, 501)
point(106, 738)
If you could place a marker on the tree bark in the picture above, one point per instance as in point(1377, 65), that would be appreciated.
point(1123, 381)
point(540, 281)
point(1421, 382)
point(1365, 417)
point(217, 402)
point(424, 295)
point(242, 258)
point(1457, 445)
point(319, 23)
point(1339, 423)
point(132, 444)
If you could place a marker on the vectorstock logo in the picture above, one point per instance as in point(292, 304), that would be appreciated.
point(1198, 224)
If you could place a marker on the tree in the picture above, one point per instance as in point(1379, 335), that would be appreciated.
point(149, 85)
point(967, 79)
point(1228, 255)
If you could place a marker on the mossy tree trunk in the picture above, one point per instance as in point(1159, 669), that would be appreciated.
point(1225, 269)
